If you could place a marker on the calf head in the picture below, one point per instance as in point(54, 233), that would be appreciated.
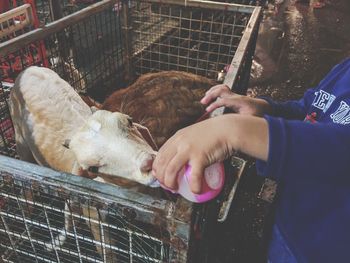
point(110, 143)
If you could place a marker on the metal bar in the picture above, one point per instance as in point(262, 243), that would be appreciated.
point(126, 30)
point(242, 48)
point(188, 41)
point(55, 9)
point(27, 230)
point(40, 33)
point(13, 245)
point(75, 235)
point(238, 58)
point(130, 247)
point(220, 42)
point(78, 185)
point(104, 254)
point(239, 164)
point(51, 235)
point(208, 4)
point(162, 253)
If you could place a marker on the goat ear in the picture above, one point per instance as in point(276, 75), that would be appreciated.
point(146, 135)
point(66, 143)
point(94, 125)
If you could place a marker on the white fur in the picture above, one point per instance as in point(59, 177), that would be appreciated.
point(50, 112)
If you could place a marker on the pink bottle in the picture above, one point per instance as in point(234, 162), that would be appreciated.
point(214, 177)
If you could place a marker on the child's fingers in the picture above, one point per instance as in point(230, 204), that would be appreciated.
point(219, 103)
point(197, 173)
point(164, 156)
point(172, 171)
point(215, 92)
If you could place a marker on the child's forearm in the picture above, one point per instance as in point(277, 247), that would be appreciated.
point(207, 142)
point(247, 134)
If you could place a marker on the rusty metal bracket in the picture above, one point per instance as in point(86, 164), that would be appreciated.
point(239, 164)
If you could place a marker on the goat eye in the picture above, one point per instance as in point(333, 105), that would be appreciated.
point(130, 121)
point(93, 169)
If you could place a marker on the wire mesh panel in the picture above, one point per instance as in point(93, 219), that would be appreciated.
point(247, 2)
point(189, 39)
point(46, 217)
point(199, 37)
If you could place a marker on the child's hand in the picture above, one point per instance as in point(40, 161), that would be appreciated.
point(208, 142)
point(199, 145)
point(221, 95)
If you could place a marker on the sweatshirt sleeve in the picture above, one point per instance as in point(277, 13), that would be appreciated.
point(306, 151)
point(294, 109)
point(297, 109)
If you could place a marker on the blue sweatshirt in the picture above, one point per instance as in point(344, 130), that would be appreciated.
point(309, 156)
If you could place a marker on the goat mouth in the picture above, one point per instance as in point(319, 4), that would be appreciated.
point(154, 183)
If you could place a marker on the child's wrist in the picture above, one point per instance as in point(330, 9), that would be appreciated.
point(232, 132)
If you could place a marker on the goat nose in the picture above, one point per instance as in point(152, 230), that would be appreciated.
point(146, 165)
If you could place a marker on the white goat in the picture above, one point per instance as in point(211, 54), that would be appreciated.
point(46, 112)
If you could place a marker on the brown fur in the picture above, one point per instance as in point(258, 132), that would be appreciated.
point(90, 102)
point(164, 102)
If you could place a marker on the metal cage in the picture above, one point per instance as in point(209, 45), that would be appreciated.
point(97, 50)
point(247, 2)
point(107, 45)
point(47, 216)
